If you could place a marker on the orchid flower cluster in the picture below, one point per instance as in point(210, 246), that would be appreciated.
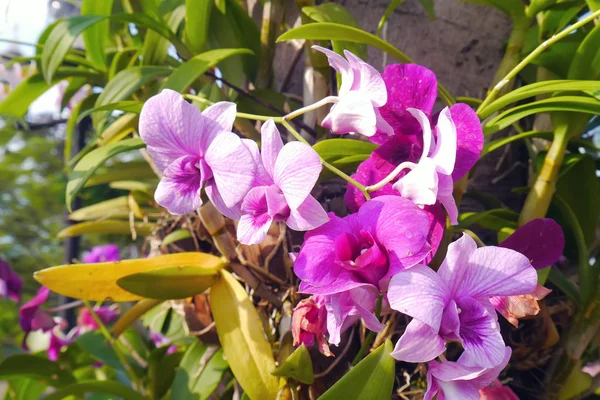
point(375, 258)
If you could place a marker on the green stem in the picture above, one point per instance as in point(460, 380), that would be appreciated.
point(330, 167)
point(493, 94)
point(132, 315)
point(539, 197)
point(370, 336)
point(106, 333)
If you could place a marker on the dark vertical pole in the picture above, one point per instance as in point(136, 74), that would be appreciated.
point(73, 244)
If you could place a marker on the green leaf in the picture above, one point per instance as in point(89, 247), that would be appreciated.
point(536, 89)
point(345, 154)
point(30, 366)
point(498, 143)
point(331, 12)
point(161, 370)
point(297, 366)
point(18, 100)
point(558, 17)
point(241, 332)
point(98, 281)
point(106, 226)
point(429, 8)
point(580, 104)
point(182, 77)
point(60, 41)
point(26, 389)
point(197, 379)
point(586, 62)
point(96, 37)
point(197, 18)
point(512, 8)
point(95, 344)
point(105, 209)
point(278, 100)
point(175, 236)
point(75, 84)
point(86, 167)
point(495, 219)
point(177, 282)
point(372, 378)
point(130, 106)
point(535, 6)
point(123, 85)
point(138, 170)
point(387, 13)
point(154, 51)
point(594, 5)
point(105, 387)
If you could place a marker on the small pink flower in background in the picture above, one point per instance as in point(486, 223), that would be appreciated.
point(453, 304)
point(160, 340)
point(193, 150)
point(592, 368)
point(105, 253)
point(32, 317)
point(461, 380)
point(361, 94)
point(497, 391)
point(309, 323)
point(542, 241)
point(58, 340)
point(75, 99)
point(284, 179)
point(85, 321)
point(11, 284)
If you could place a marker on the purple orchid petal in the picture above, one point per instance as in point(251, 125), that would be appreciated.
point(309, 215)
point(234, 212)
point(342, 66)
point(173, 128)
point(179, 189)
point(469, 139)
point(419, 343)
point(106, 253)
point(420, 293)
point(408, 86)
point(261, 176)
point(222, 114)
point(296, 171)
point(271, 145)
point(367, 80)
point(541, 240)
point(255, 222)
point(420, 185)
point(480, 334)
point(31, 317)
point(354, 113)
point(232, 167)
point(11, 284)
point(455, 265)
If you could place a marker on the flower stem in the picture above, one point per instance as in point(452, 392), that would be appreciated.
point(370, 336)
point(132, 315)
point(330, 167)
point(106, 333)
point(304, 110)
point(527, 60)
point(391, 176)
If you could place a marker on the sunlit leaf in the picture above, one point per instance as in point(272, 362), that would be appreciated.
point(345, 154)
point(107, 226)
point(175, 236)
point(244, 342)
point(138, 170)
point(154, 51)
point(96, 37)
point(197, 17)
point(98, 282)
point(112, 208)
point(86, 167)
point(372, 378)
point(88, 387)
point(297, 366)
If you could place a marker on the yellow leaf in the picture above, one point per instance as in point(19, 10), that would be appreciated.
point(244, 342)
point(98, 282)
point(107, 226)
point(113, 208)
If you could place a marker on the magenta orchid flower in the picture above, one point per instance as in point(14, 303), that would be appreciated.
point(33, 318)
point(85, 321)
point(309, 324)
point(497, 391)
point(160, 340)
point(461, 380)
point(411, 86)
point(361, 94)
point(453, 304)
point(58, 340)
point(386, 236)
point(430, 180)
point(542, 241)
point(11, 284)
point(285, 177)
point(105, 253)
point(193, 150)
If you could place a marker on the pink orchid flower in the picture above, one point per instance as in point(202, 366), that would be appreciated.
point(105, 253)
point(461, 380)
point(284, 179)
point(453, 304)
point(361, 94)
point(11, 284)
point(193, 150)
point(497, 391)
